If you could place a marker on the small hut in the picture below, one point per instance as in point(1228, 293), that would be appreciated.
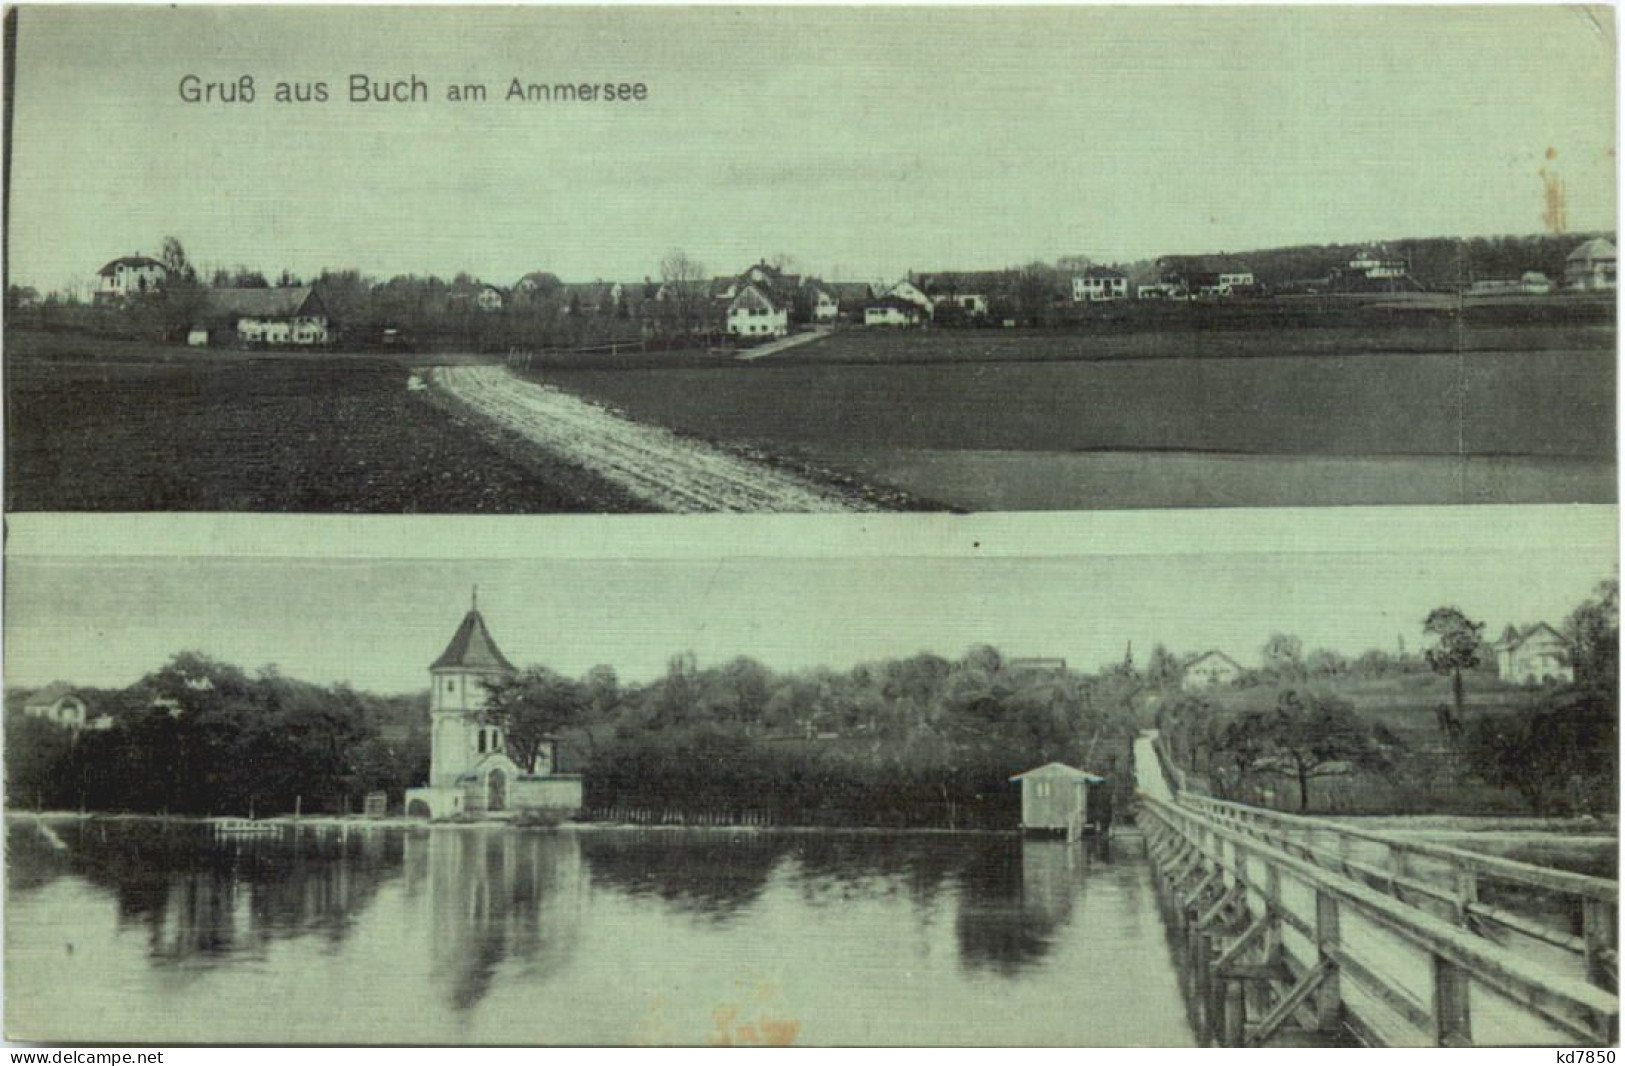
point(1057, 798)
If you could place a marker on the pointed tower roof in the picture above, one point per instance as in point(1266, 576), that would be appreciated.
point(472, 648)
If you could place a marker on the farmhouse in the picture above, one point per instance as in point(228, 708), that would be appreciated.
point(1098, 284)
point(851, 297)
point(1210, 670)
point(470, 771)
point(1205, 275)
point(1593, 265)
point(892, 311)
point(58, 703)
point(285, 316)
point(908, 291)
point(1535, 655)
point(972, 292)
point(129, 275)
point(755, 312)
point(1057, 798)
point(822, 305)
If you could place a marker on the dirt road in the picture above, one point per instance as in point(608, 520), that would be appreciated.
point(668, 471)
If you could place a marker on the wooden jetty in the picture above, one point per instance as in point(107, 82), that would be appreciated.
point(1306, 931)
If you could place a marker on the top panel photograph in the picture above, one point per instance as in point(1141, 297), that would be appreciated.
point(559, 260)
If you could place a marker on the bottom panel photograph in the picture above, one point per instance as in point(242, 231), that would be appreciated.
point(1270, 779)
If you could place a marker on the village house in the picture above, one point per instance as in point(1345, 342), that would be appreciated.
point(1205, 275)
point(470, 772)
point(971, 291)
point(893, 311)
point(537, 286)
point(59, 704)
point(908, 291)
point(823, 306)
point(851, 297)
point(1377, 263)
point(129, 275)
point(1098, 284)
point(293, 316)
point(1530, 283)
point(488, 298)
point(1211, 669)
point(755, 312)
point(1537, 655)
point(1592, 265)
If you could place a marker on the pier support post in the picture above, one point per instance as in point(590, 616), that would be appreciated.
point(1328, 996)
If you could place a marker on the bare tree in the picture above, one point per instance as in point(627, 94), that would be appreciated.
point(683, 293)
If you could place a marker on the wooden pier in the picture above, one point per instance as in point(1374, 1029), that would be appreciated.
point(1309, 932)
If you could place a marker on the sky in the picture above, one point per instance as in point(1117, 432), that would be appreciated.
point(373, 602)
point(860, 142)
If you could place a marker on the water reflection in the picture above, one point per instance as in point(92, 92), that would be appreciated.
point(463, 935)
point(196, 895)
point(496, 896)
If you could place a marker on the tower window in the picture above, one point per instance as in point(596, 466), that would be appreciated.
point(482, 742)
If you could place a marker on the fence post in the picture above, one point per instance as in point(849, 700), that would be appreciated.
point(1600, 929)
point(1452, 1026)
point(1328, 997)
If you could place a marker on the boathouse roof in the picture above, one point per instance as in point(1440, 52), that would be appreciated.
point(1060, 771)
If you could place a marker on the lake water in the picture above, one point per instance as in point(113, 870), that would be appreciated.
point(145, 932)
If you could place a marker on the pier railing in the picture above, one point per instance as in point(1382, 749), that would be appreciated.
point(1574, 913)
point(1315, 945)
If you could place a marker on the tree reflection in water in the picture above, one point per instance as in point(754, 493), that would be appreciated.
point(201, 896)
point(715, 874)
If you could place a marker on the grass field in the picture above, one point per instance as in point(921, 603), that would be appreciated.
point(988, 420)
point(126, 426)
point(977, 420)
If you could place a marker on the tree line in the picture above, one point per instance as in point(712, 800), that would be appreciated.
point(918, 741)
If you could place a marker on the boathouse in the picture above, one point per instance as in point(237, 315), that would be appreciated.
point(1057, 798)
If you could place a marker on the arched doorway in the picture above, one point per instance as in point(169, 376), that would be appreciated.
point(418, 809)
point(496, 790)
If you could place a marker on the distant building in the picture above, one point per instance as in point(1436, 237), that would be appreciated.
point(1593, 265)
point(972, 292)
point(1530, 283)
point(1036, 664)
point(58, 703)
point(823, 305)
point(1535, 655)
point(893, 311)
point(470, 772)
point(1061, 798)
point(538, 285)
point(755, 312)
point(489, 298)
point(1099, 284)
point(1206, 275)
point(1211, 669)
point(851, 297)
point(909, 292)
point(293, 316)
point(129, 275)
point(1377, 263)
